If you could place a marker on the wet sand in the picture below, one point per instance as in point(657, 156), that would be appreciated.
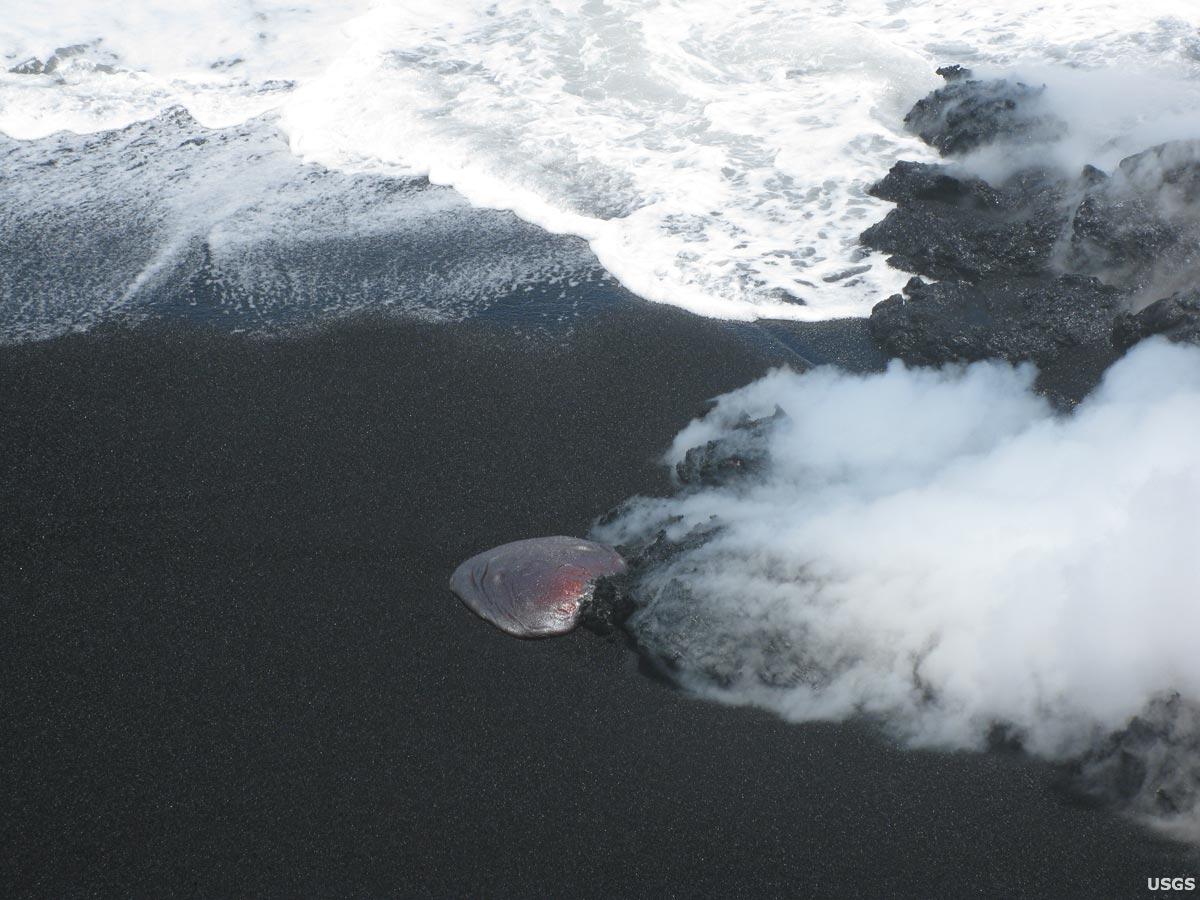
point(232, 666)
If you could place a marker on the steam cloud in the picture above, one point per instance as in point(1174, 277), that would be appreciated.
point(942, 551)
point(1091, 117)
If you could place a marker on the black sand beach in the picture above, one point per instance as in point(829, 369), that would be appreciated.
point(233, 667)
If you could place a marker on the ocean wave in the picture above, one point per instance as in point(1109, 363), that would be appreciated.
point(714, 155)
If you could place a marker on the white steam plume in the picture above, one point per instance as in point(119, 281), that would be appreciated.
point(941, 550)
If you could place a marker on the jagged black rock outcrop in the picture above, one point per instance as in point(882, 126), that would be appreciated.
point(738, 453)
point(1038, 267)
point(1152, 766)
point(31, 66)
point(946, 226)
point(968, 114)
point(681, 633)
point(34, 66)
point(1013, 318)
point(1140, 228)
point(1176, 317)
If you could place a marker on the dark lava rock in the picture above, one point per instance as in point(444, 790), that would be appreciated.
point(684, 636)
point(954, 73)
point(730, 457)
point(62, 54)
point(1151, 767)
point(56, 60)
point(1170, 172)
point(947, 226)
point(911, 182)
point(967, 114)
point(619, 597)
point(1176, 317)
point(609, 606)
point(1141, 226)
point(1039, 267)
point(1117, 236)
point(1015, 319)
point(31, 66)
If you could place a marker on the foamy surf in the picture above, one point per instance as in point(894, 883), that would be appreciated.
point(715, 155)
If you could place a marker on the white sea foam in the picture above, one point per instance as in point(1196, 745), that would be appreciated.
point(226, 61)
point(714, 154)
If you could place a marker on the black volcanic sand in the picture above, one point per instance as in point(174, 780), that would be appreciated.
point(232, 666)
